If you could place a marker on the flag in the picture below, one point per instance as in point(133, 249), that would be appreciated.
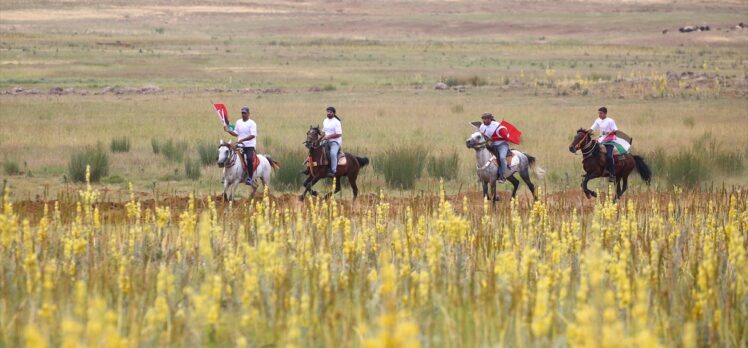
point(514, 134)
point(223, 114)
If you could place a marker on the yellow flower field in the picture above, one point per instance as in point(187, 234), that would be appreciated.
point(657, 269)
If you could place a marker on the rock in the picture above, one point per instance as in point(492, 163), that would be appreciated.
point(56, 90)
point(441, 86)
point(150, 89)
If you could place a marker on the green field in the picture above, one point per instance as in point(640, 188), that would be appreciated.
point(72, 77)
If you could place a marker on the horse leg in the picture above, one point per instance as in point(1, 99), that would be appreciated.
point(233, 189)
point(493, 189)
point(485, 190)
point(515, 183)
point(354, 186)
point(587, 192)
point(625, 184)
point(525, 175)
point(225, 187)
point(619, 192)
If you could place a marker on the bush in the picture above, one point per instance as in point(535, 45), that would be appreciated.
point(10, 167)
point(207, 152)
point(445, 167)
point(402, 165)
point(730, 163)
point(120, 144)
point(192, 168)
point(687, 169)
point(155, 145)
point(288, 176)
point(95, 157)
point(174, 151)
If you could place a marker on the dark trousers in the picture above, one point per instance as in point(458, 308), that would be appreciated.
point(611, 164)
point(249, 156)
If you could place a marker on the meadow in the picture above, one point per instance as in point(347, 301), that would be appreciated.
point(112, 230)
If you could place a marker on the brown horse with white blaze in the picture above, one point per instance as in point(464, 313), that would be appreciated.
point(318, 165)
point(594, 164)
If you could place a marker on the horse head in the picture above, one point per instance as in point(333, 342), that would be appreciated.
point(312, 137)
point(224, 152)
point(475, 141)
point(581, 140)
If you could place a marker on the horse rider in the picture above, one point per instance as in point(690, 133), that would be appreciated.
point(246, 132)
point(608, 129)
point(496, 135)
point(333, 131)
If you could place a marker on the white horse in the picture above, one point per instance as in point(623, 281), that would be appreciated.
point(487, 166)
point(233, 171)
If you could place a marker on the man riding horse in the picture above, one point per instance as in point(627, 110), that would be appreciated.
point(246, 132)
point(334, 136)
point(608, 129)
point(497, 135)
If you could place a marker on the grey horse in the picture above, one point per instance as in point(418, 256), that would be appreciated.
point(487, 166)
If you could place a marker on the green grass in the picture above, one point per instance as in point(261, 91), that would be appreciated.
point(121, 144)
point(402, 165)
point(93, 158)
point(379, 79)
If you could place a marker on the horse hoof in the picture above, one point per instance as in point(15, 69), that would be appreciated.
point(593, 194)
point(301, 198)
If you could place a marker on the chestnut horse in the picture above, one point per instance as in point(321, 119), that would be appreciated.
point(593, 162)
point(318, 165)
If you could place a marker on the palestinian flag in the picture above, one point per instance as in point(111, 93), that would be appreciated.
point(621, 145)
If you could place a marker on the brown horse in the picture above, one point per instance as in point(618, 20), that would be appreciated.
point(593, 161)
point(318, 165)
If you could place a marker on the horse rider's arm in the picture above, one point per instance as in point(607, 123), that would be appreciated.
point(333, 136)
point(230, 131)
point(249, 137)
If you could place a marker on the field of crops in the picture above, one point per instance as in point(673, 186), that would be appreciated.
point(659, 268)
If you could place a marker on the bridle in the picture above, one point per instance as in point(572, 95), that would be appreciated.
point(589, 146)
point(312, 144)
point(481, 145)
point(231, 159)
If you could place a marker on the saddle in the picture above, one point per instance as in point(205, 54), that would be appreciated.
point(255, 164)
point(616, 153)
point(325, 160)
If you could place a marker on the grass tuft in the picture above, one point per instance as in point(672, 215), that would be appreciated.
point(402, 165)
point(96, 157)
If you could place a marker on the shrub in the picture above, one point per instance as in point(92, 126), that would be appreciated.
point(95, 157)
point(10, 167)
point(687, 169)
point(402, 165)
point(173, 151)
point(207, 152)
point(155, 145)
point(192, 168)
point(730, 163)
point(445, 167)
point(288, 176)
point(120, 144)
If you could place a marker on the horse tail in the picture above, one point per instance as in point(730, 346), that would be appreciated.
point(643, 169)
point(540, 172)
point(362, 161)
point(273, 163)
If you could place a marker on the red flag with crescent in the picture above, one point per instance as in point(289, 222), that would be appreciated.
point(513, 134)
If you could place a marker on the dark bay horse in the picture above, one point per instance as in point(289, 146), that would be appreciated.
point(318, 165)
point(593, 162)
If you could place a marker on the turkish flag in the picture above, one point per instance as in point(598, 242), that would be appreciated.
point(223, 114)
point(513, 135)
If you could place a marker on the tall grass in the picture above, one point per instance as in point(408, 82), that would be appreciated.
point(192, 168)
point(288, 176)
point(174, 150)
point(155, 146)
point(10, 167)
point(95, 157)
point(207, 152)
point(446, 167)
point(120, 144)
point(402, 165)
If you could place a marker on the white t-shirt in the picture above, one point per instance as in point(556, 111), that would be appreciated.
point(244, 129)
point(489, 131)
point(605, 126)
point(333, 126)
